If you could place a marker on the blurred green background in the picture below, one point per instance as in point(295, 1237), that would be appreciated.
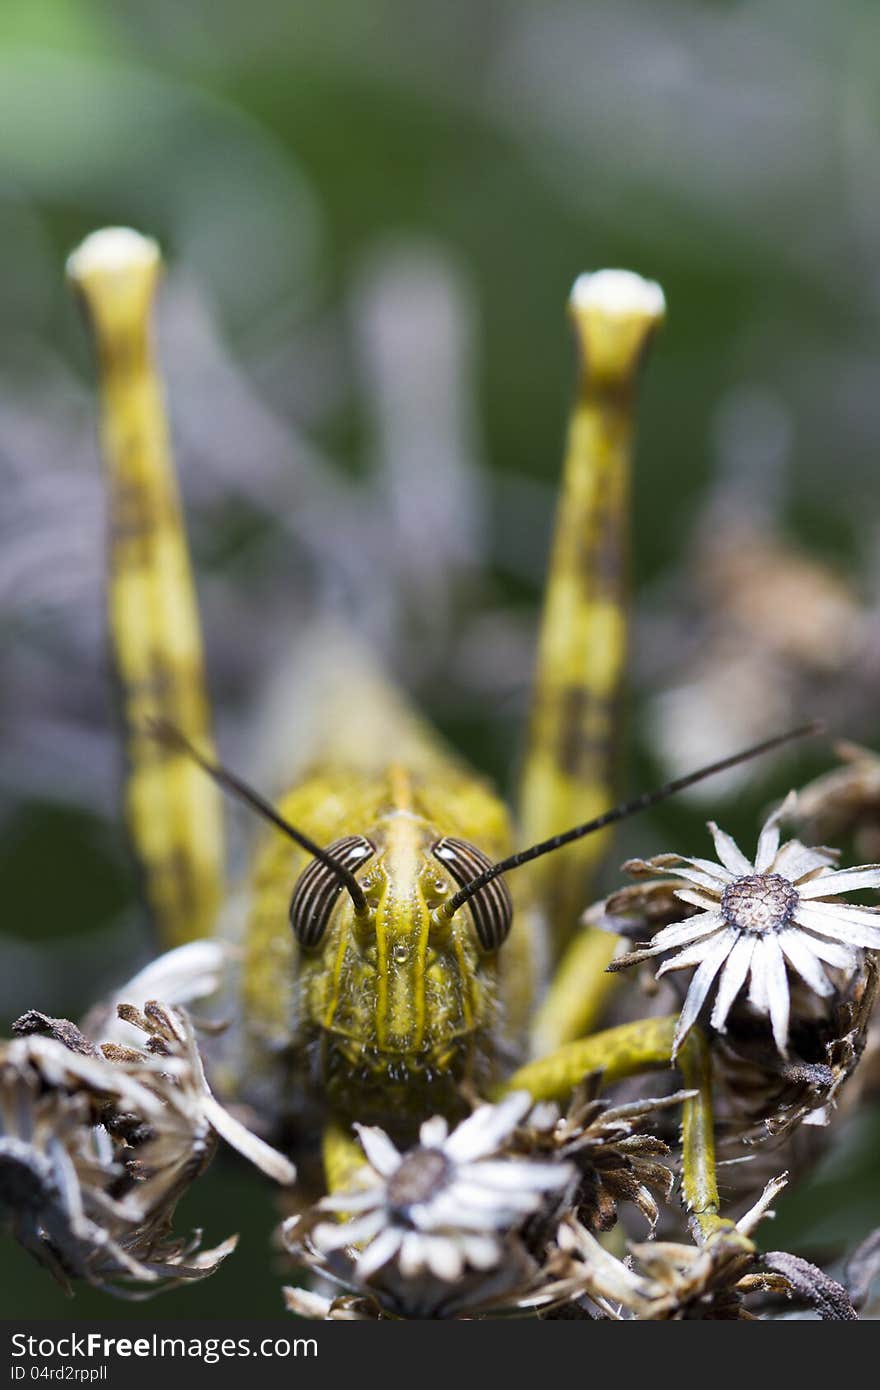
point(372, 212)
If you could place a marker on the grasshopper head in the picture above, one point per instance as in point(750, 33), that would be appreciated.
point(400, 998)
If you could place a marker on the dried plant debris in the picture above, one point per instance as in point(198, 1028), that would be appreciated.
point(319, 1307)
point(661, 1281)
point(614, 1159)
point(61, 1029)
point(830, 1300)
point(845, 801)
point(576, 1275)
point(499, 1217)
point(666, 1281)
point(862, 1270)
point(186, 975)
point(509, 1213)
point(98, 1145)
point(759, 1096)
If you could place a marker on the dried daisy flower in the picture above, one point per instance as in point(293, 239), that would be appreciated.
point(435, 1231)
point(758, 919)
point(172, 1058)
point(99, 1144)
point(444, 1204)
point(63, 1181)
point(515, 1283)
point(576, 1276)
point(50, 1182)
point(614, 1160)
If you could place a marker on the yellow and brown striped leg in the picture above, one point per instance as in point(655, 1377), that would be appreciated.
point(699, 1183)
point(173, 809)
point(630, 1050)
point(567, 774)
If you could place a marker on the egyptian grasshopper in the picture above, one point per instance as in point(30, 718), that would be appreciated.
point(390, 970)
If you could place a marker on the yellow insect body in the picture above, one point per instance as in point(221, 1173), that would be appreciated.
point(358, 994)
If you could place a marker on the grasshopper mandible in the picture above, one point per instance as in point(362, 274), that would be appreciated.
point(390, 972)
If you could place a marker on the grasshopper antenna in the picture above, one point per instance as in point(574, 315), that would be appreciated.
point(171, 737)
point(621, 812)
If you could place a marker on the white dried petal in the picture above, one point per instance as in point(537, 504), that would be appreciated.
point(249, 1145)
point(487, 1128)
point(378, 1148)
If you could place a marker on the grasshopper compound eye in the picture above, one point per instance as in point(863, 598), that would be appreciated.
point(318, 887)
point(492, 906)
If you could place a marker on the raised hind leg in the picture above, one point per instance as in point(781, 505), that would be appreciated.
point(173, 810)
point(567, 774)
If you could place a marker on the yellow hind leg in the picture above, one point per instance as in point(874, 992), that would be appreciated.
point(568, 770)
point(173, 810)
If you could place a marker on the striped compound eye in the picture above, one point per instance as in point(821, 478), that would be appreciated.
point(318, 888)
point(492, 907)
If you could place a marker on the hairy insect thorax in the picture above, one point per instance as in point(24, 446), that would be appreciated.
point(394, 1011)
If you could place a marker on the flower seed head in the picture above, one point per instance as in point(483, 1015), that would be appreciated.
point(421, 1174)
point(759, 903)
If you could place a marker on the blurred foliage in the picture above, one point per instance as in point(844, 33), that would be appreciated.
point(316, 175)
